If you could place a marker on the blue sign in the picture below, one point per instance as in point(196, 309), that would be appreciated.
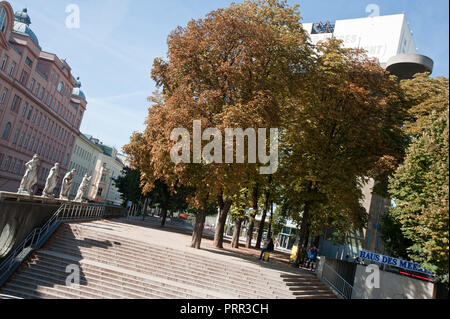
point(391, 261)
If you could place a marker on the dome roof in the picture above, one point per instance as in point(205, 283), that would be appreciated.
point(22, 23)
point(22, 16)
point(77, 90)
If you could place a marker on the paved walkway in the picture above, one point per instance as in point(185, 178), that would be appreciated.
point(178, 236)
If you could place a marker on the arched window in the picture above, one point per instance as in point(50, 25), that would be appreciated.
point(3, 19)
point(60, 87)
point(5, 135)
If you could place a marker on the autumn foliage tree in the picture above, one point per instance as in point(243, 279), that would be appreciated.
point(344, 127)
point(235, 68)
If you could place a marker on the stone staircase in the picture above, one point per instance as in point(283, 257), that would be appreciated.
point(113, 265)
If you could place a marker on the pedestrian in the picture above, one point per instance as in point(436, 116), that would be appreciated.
point(268, 247)
point(312, 257)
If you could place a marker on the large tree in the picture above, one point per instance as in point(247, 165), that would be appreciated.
point(420, 185)
point(344, 127)
point(235, 68)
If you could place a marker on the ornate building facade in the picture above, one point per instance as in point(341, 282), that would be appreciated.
point(41, 103)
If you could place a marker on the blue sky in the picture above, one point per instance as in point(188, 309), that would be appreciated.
point(113, 50)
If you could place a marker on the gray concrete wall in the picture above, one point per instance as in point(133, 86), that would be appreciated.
point(18, 219)
point(392, 286)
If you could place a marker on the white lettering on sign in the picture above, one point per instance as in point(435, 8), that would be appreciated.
point(396, 262)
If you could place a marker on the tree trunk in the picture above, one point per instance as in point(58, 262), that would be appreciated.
point(198, 229)
point(224, 207)
point(263, 221)
point(251, 223)
point(316, 241)
point(269, 232)
point(304, 232)
point(144, 210)
point(165, 204)
point(199, 225)
point(236, 233)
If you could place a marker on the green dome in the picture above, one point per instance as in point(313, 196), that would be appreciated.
point(22, 23)
point(77, 90)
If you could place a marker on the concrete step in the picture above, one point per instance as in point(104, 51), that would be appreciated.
point(150, 289)
point(144, 247)
point(198, 279)
point(64, 243)
point(38, 281)
point(115, 265)
point(138, 275)
point(98, 286)
point(155, 263)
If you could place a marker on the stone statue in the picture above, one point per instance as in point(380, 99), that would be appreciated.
point(67, 185)
point(83, 188)
point(52, 180)
point(30, 177)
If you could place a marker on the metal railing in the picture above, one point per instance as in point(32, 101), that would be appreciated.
point(339, 284)
point(66, 212)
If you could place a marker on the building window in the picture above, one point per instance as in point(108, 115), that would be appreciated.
point(100, 191)
point(20, 139)
point(2, 99)
point(24, 109)
point(15, 103)
point(6, 163)
point(31, 85)
point(16, 136)
point(31, 144)
point(11, 70)
point(28, 62)
point(37, 89)
point(27, 139)
point(3, 19)
point(18, 166)
point(4, 61)
point(6, 131)
point(60, 87)
point(23, 78)
point(13, 164)
point(29, 113)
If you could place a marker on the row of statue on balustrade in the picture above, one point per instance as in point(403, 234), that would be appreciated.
point(30, 179)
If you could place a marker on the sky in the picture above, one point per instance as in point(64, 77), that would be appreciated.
point(113, 49)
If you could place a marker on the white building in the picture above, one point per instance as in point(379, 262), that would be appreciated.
point(84, 159)
point(107, 167)
point(382, 36)
point(386, 38)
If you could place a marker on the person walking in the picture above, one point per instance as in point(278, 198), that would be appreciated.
point(268, 247)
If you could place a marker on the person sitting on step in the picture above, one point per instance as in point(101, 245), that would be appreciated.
point(311, 257)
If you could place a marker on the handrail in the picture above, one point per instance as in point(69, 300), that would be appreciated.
point(66, 212)
point(337, 282)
